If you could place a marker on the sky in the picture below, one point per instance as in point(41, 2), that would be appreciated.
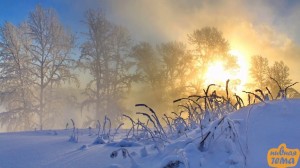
point(269, 28)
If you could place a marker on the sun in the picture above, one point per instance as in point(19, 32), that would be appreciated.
point(217, 73)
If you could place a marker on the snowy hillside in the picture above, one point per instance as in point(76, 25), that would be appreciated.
point(242, 138)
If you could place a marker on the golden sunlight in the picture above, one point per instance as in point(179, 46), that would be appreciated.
point(242, 74)
point(218, 74)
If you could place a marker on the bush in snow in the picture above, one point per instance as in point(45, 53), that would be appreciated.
point(116, 131)
point(159, 130)
point(173, 164)
point(180, 126)
point(125, 153)
point(74, 135)
point(172, 161)
point(99, 139)
point(84, 147)
point(124, 143)
point(142, 132)
point(207, 113)
point(106, 134)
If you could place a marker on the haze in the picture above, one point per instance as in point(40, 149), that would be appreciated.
point(267, 28)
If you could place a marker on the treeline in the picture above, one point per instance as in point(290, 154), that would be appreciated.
point(38, 60)
point(274, 76)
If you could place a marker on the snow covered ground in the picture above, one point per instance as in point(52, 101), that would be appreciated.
point(242, 138)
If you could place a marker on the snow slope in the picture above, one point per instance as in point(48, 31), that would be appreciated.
point(258, 128)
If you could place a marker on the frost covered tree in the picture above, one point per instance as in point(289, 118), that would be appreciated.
point(50, 49)
point(177, 68)
point(103, 54)
point(15, 80)
point(260, 71)
point(35, 57)
point(280, 72)
point(265, 76)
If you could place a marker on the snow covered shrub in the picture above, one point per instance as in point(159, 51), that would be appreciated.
point(154, 120)
point(90, 131)
point(99, 128)
point(261, 99)
point(99, 139)
point(132, 129)
point(169, 124)
point(209, 135)
point(180, 126)
point(174, 161)
point(84, 147)
point(126, 143)
point(116, 131)
point(142, 132)
point(174, 164)
point(125, 153)
point(106, 135)
point(226, 132)
point(155, 138)
point(194, 116)
point(74, 135)
point(206, 120)
point(282, 93)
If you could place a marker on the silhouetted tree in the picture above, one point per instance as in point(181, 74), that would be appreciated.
point(280, 72)
point(210, 46)
point(104, 55)
point(148, 64)
point(274, 77)
point(177, 68)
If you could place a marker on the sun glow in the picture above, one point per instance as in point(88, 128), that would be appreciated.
point(216, 73)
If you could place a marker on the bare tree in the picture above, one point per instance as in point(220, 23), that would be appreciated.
point(50, 51)
point(210, 45)
point(149, 67)
point(274, 78)
point(147, 64)
point(15, 80)
point(280, 72)
point(177, 68)
point(104, 55)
